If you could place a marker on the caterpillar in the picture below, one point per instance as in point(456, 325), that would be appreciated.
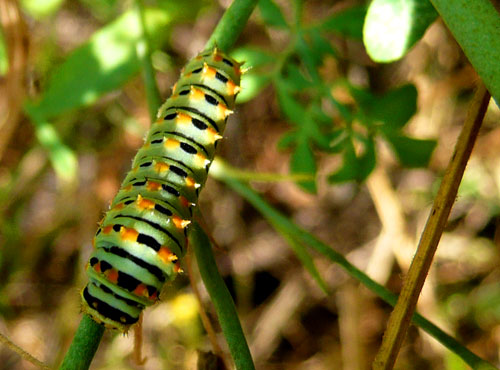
point(142, 237)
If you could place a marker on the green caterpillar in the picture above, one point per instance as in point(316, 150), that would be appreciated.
point(141, 238)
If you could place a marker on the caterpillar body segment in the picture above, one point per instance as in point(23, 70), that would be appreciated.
point(142, 237)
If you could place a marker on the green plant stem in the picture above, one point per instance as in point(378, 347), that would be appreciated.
point(84, 345)
point(400, 317)
point(144, 55)
point(221, 298)
point(276, 218)
point(231, 24)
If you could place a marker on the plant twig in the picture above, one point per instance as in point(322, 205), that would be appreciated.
point(276, 218)
point(21, 352)
point(84, 345)
point(231, 24)
point(144, 55)
point(221, 298)
point(404, 309)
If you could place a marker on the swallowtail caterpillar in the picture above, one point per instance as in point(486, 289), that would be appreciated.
point(143, 235)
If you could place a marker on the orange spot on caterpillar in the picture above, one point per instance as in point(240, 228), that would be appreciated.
point(224, 111)
point(171, 144)
point(118, 207)
point(190, 182)
point(153, 296)
point(153, 186)
point(178, 269)
point(189, 74)
point(161, 167)
point(184, 201)
point(107, 229)
point(179, 222)
point(217, 57)
point(112, 275)
point(97, 267)
point(144, 203)
point(213, 135)
point(127, 233)
point(232, 88)
point(208, 72)
point(158, 121)
point(197, 94)
point(141, 290)
point(166, 255)
point(182, 118)
point(201, 160)
point(128, 187)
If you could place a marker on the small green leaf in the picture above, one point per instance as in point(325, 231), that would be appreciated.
point(355, 167)
point(251, 85)
point(293, 109)
point(4, 58)
point(296, 79)
point(348, 22)
point(303, 162)
point(411, 152)
point(41, 9)
point(394, 109)
point(287, 140)
point(319, 43)
point(253, 57)
point(392, 27)
point(101, 65)
point(271, 14)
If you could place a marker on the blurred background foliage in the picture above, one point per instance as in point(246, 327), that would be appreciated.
point(74, 112)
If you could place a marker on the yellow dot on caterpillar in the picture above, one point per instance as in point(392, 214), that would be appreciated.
point(179, 222)
point(144, 203)
point(197, 94)
point(191, 183)
point(182, 118)
point(232, 88)
point(208, 72)
point(128, 234)
point(171, 144)
point(166, 255)
point(201, 160)
point(213, 135)
point(161, 167)
point(94, 304)
point(123, 319)
point(134, 170)
point(224, 112)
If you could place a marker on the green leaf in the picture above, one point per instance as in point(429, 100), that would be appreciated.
point(271, 14)
point(394, 109)
point(348, 22)
point(253, 57)
point(4, 58)
point(355, 167)
point(303, 162)
point(392, 27)
point(296, 79)
point(474, 24)
point(41, 9)
point(292, 109)
point(251, 85)
point(103, 64)
point(412, 152)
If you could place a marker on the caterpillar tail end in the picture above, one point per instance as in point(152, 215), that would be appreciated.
point(98, 317)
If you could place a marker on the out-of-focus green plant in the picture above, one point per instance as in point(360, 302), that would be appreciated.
point(319, 121)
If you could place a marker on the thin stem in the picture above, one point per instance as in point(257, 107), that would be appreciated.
point(419, 268)
point(144, 55)
point(221, 298)
point(231, 24)
point(84, 345)
point(278, 219)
